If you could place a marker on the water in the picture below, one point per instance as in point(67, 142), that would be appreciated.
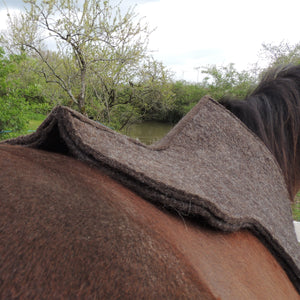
point(148, 132)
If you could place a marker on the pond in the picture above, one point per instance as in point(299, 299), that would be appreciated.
point(148, 132)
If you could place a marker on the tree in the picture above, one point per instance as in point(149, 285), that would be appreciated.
point(187, 95)
point(86, 37)
point(141, 91)
point(282, 54)
point(151, 90)
point(227, 80)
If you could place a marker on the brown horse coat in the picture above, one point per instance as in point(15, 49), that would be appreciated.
point(209, 168)
point(67, 231)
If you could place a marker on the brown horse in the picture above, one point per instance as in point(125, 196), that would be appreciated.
point(69, 231)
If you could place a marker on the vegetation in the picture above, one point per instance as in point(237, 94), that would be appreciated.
point(12, 98)
point(296, 208)
point(116, 99)
point(95, 59)
point(98, 58)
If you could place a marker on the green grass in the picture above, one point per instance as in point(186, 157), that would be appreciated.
point(296, 208)
point(35, 121)
point(33, 124)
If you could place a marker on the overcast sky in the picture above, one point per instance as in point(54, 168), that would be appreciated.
point(193, 33)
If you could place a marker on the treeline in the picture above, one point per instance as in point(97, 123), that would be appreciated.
point(153, 94)
point(100, 66)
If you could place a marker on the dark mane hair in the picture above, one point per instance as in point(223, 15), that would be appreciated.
point(272, 112)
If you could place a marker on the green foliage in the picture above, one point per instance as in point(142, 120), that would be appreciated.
point(131, 96)
point(296, 208)
point(121, 115)
point(12, 115)
point(19, 96)
point(93, 39)
point(100, 63)
point(219, 82)
point(152, 91)
point(227, 80)
point(186, 96)
point(12, 102)
point(114, 77)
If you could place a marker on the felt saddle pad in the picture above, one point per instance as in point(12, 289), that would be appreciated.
point(209, 166)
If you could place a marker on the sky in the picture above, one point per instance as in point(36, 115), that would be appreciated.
point(195, 33)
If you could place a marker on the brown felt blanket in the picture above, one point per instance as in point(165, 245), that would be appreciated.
point(209, 166)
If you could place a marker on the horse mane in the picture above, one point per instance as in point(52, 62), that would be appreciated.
point(272, 112)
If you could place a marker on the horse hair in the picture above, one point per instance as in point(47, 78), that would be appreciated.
point(272, 112)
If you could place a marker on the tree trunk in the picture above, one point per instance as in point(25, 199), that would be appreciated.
point(81, 97)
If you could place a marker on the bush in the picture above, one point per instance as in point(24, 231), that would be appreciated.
point(13, 116)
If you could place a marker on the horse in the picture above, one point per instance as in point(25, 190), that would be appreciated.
point(272, 112)
point(68, 230)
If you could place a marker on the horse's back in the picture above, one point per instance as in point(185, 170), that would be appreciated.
point(68, 231)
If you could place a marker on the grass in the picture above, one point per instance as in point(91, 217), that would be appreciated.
point(35, 121)
point(296, 208)
point(33, 124)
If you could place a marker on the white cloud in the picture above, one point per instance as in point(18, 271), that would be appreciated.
point(15, 4)
point(4, 17)
point(191, 33)
point(194, 33)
